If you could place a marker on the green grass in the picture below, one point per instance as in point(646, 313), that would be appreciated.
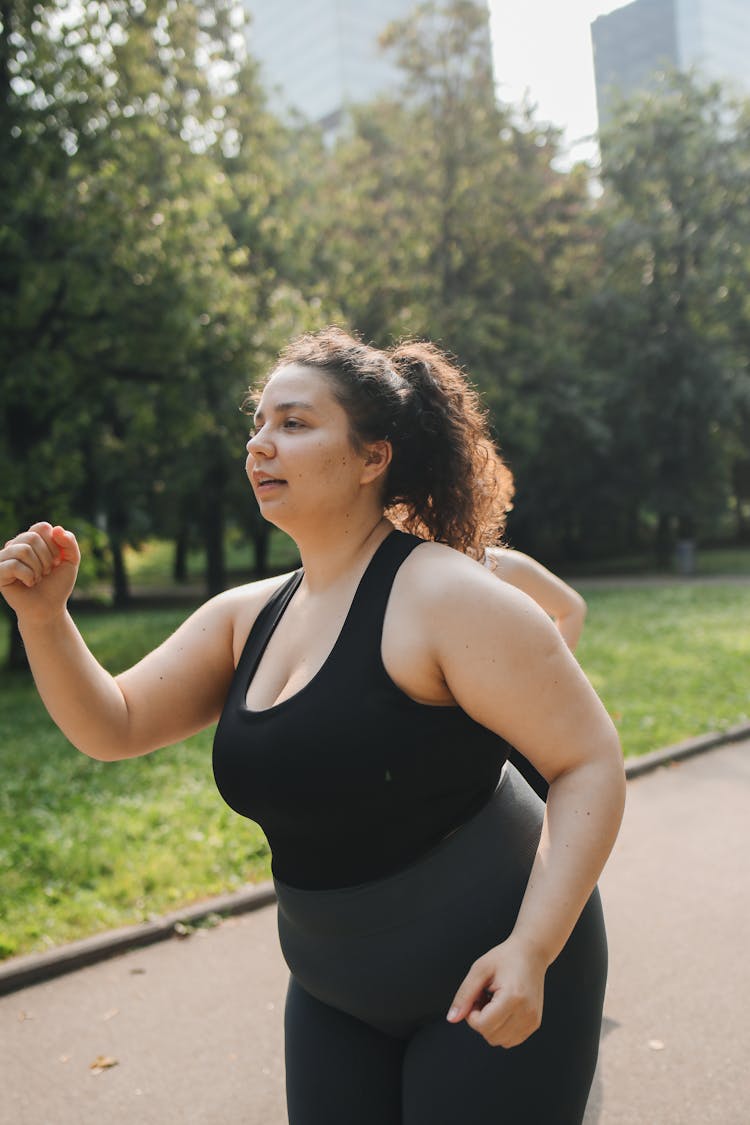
point(151, 564)
point(709, 561)
point(87, 846)
point(669, 662)
point(722, 560)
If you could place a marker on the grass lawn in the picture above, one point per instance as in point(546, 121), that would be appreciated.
point(87, 846)
point(707, 561)
point(151, 564)
point(670, 661)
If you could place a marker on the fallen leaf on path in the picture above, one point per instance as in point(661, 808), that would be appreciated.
point(102, 1062)
point(656, 1044)
point(110, 1014)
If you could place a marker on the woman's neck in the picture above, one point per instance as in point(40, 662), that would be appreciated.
point(328, 555)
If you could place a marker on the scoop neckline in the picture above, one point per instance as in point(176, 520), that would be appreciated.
point(246, 682)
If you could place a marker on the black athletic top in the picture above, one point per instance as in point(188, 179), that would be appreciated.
point(349, 778)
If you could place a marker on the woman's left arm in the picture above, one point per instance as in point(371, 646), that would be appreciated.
point(506, 665)
point(565, 605)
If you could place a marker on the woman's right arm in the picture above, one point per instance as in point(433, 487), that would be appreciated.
point(174, 691)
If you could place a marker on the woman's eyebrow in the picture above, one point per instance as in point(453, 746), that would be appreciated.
point(281, 407)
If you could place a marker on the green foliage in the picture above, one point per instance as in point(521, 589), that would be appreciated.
point(443, 214)
point(162, 235)
point(86, 846)
point(668, 322)
point(136, 301)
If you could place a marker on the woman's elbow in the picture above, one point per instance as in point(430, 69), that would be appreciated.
point(99, 752)
point(612, 766)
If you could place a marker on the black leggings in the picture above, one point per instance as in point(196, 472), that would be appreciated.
point(374, 969)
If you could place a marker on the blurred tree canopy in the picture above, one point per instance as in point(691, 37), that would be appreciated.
point(162, 234)
point(670, 324)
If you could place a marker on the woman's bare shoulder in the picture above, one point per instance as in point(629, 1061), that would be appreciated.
point(242, 604)
point(445, 602)
point(436, 574)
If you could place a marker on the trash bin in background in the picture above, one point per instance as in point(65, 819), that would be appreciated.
point(685, 556)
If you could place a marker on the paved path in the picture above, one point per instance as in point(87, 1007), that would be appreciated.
point(195, 1025)
point(676, 1035)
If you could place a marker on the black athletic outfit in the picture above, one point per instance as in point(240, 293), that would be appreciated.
point(401, 850)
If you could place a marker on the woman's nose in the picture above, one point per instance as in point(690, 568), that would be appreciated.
point(258, 443)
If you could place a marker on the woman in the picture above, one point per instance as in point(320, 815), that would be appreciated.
point(443, 930)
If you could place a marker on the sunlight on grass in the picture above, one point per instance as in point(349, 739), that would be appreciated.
point(86, 846)
point(669, 662)
point(151, 564)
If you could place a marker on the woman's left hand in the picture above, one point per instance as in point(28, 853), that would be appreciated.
point(502, 995)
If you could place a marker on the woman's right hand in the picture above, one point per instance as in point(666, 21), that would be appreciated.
point(38, 571)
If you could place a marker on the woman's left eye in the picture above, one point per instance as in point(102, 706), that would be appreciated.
point(293, 424)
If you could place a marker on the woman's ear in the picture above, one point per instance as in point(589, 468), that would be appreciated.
point(378, 456)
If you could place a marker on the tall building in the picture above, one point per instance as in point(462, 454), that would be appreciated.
point(320, 56)
point(633, 44)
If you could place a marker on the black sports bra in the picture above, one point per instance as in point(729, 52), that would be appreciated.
point(349, 778)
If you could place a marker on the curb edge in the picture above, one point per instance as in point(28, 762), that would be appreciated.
point(33, 968)
point(669, 755)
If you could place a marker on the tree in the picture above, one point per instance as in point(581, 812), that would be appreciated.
point(441, 213)
point(127, 302)
point(675, 206)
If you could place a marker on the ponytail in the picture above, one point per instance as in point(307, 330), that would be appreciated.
point(447, 482)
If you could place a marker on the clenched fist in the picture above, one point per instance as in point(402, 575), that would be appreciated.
point(38, 571)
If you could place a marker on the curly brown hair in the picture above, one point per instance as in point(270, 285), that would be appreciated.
point(446, 481)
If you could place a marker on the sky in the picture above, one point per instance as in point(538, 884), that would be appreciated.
point(542, 48)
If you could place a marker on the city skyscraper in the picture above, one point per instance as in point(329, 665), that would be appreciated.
point(321, 56)
point(634, 43)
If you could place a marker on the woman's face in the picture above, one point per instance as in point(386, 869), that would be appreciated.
point(301, 462)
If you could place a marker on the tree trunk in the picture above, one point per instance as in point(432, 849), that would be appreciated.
point(633, 532)
point(213, 539)
point(213, 526)
point(179, 566)
point(120, 582)
point(664, 543)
